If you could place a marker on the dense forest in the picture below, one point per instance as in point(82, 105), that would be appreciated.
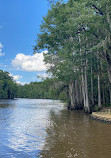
point(77, 35)
point(47, 89)
point(8, 88)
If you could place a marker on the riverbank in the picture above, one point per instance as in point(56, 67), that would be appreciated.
point(104, 115)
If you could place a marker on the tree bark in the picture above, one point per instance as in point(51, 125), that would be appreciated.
point(99, 92)
point(99, 89)
point(108, 16)
point(72, 95)
point(110, 91)
point(103, 97)
point(76, 93)
point(85, 91)
point(81, 97)
point(87, 109)
point(92, 92)
point(109, 72)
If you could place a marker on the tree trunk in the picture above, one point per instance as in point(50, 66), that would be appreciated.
point(67, 92)
point(109, 73)
point(81, 97)
point(107, 45)
point(84, 77)
point(72, 95)
point(108, 15)
point(92, 93)
point(85, 91)
point(77, 93)
point(99, 90)
point(103, 97)
point(110, 91)
point(87, 109)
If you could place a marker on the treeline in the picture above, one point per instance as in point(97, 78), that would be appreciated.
point(8, 88)
point(47, 89)
point(77, 35)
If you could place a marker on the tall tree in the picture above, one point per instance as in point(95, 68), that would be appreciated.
point(73, 34)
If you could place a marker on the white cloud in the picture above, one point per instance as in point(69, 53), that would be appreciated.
point(2, 54)
point(22, 83)
point(44, 75)
point(15, 77)
point(1, 47)
point(30, 62)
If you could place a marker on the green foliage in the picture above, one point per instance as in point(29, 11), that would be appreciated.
point(48, 89)
point(77, 35)
point(108, 105)
point(95, 108)
point(8, 87)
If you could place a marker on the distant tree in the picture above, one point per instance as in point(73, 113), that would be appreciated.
point(8, 87)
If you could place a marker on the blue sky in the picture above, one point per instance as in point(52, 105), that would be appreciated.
point(19, 24)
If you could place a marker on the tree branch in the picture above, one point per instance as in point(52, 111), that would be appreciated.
point(79, 30)
point(101, 13)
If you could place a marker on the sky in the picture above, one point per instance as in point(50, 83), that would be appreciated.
point(19, 24)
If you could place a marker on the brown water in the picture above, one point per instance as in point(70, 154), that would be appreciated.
point(74, 135)
point(31, 128)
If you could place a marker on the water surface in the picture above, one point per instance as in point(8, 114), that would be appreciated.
point(33, 128)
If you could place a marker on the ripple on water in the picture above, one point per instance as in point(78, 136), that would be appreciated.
point(49, 130)
point(23, 124)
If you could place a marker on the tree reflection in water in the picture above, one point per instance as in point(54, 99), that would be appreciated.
point(72, 134)
point(62, 135)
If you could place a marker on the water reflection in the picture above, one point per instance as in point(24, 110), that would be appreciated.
point(32, 128)
point(23, 125)
point(74, 134)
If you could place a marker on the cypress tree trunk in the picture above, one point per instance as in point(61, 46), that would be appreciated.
point(78, 95)
point(99, 90)
point(92, 93)
point(110, 91)
point(85, 91)
point(108, 60)
point(67, 92)
point(103, 97)
point(108, 56)
point(108, 15)
point(87, 109)
point(109, 73)
point(81, 97)
point(77, 99)
point(84, 77)
point(72, 95)
point(99, 93)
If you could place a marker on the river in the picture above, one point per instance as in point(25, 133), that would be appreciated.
point(39, 128)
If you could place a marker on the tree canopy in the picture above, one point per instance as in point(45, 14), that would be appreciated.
point(47, 89)
point(77, 37)
point(8, 87)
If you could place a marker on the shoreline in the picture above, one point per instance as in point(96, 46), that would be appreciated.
point(102, 116)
